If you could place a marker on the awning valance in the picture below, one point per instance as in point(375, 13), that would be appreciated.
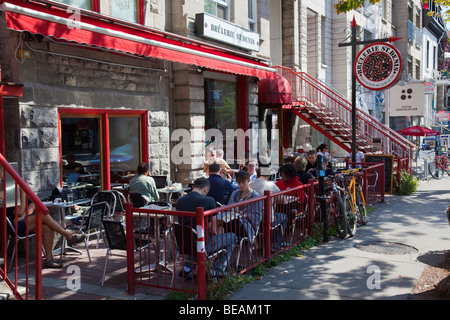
point(56, 23)
point(274, 91)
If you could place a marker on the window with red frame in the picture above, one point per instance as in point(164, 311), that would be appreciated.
point(109, 145)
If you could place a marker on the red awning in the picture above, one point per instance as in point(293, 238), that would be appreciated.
point(276, 91)
point(56, 23)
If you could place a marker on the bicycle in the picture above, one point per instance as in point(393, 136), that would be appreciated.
point(335, 206)
point(354, 201)
point(437, 167)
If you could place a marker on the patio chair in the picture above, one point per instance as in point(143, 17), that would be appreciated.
point(137, 200)
point(91, 222)
point(116, 240)
point(12, 235)
point(106, 196)
point(186, 244)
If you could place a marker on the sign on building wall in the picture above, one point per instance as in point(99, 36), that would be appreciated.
point(407, 100)
point(220, 30)
point(378, 66)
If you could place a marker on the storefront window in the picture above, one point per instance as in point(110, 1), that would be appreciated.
point(84, 4)
point(86, 137)
point(124, 149)
point(80, 137)
point(221, 114)
point(220, 105)
point(124, 9)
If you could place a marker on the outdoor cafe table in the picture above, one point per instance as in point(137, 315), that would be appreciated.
point(168, 191)
point(62, 206)
point(158, 263)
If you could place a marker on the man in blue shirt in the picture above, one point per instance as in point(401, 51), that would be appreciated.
point(220, 188)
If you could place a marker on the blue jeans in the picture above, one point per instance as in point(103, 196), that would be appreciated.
point(214, 243)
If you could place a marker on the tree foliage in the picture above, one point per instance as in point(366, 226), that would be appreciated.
point(347, 5)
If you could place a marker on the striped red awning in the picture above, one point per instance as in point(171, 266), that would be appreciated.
point(59, 24)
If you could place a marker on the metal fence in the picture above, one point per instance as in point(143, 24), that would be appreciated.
point(248, 233)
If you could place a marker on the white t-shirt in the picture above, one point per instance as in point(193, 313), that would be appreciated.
point(359, 157)
point(261, 185)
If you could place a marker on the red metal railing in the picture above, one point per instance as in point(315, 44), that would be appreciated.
point(331, 104)
point(10, 278)
point(285, 218)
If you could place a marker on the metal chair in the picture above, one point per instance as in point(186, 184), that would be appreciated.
point(186, 244)
point(137, 200)
point(116, 240)
point(12, 233)
point(91, 223)
point(115, 199)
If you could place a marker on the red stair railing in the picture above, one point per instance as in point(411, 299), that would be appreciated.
point(309, 91)
point(9, 278)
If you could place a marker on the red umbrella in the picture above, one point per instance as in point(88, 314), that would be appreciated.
point(418, 131)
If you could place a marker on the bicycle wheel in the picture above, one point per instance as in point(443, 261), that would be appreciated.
point(435, 171)
point(352, 216)
point(340, 217)
point(363, 218)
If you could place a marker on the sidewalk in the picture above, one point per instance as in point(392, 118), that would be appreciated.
point(416, 231)
point(415, 225)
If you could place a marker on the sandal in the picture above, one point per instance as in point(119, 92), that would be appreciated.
point(53, 264)
point(75, 239)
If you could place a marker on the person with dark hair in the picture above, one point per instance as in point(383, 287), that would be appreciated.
point(144, 184)
point(220, 188)
point(49, 225)
point(289, 179)
point(323, 151)
point(214, 241)
point(312, 158)
point(72, 165)
point(251, 215)
point(251, 166)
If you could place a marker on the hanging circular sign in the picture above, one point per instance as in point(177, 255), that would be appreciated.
point(378, 66)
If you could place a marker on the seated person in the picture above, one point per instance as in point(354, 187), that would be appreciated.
point(72, 165)
point(214, 240)
point(220, 188)
point(300, 164)
point(252, 214)
point(144, 184)
point(328, 170)
point(311, 157)
point(225, 169)
point(261, 184)
point(48, 226)
point(289, 179)
point(252, 165)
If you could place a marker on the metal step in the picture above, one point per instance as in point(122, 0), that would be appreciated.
point(6, 293)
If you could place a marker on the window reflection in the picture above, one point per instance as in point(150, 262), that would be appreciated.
point(124, 148)
point(80, 138)
point(83, 137)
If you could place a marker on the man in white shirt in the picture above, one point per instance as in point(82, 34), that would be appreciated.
point(262, 183)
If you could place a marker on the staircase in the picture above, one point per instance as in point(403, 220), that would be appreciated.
point(331, 114)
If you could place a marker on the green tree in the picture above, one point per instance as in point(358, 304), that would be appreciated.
point(347, 5)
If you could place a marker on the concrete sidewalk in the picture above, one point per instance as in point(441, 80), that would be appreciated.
point(415, 231)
